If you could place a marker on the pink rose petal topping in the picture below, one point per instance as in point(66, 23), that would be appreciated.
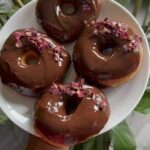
point(133, 44)
point(86, 7)
point(40, 41)
point(119, 30)
point(73, 88)
point(77, 88)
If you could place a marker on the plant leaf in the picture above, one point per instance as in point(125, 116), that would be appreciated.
point(144, 104)
point(101, 142)
point(124, 2)
point(9, 7)
point(122, 137)
point(3, 118)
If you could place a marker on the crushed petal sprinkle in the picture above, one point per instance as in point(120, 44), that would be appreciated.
point(119, 30)
point(40, 41)
point(86, 8)
point(102, 105)
point(59, 53)
point(77, 88)
point(70, 89)
point(133, 44)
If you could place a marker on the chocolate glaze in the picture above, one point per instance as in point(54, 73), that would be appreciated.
point(66, 27)
point(68, 120)
point(30, 79)
point(102, 58)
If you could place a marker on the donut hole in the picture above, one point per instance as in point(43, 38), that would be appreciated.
point(30, 58)
point(71, 105)
point(68, 8)
point(107, 48)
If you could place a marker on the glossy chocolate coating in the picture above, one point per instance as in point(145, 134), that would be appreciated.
point(66, 27)
point(30, 79)
point(68, 120)
point(98, 66)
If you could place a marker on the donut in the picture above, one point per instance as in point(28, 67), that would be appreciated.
point(64, 19)
point(107, 53)
point(31, 62)
point(68, 114)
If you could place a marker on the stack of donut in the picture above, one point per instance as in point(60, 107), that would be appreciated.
point(106, 54)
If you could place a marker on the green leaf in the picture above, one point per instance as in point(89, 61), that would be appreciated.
point(101, 142)
point(144, 104)
point(3, 118)
point(124, 2)
point(7, 8)
point(122, 137)
point(148, 87)
point(137, 7)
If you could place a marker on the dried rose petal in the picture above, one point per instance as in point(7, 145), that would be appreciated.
point(80, 93)
point(102, 105)
point(133, 44)
point(75, 85)
point(55, 90)
point(74, 88)
point(113, 27)
point(86, 8)
point(40, 41)
point(82, 81)
point(119, 30)
point(77, 88)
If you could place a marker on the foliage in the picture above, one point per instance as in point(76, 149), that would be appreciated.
point(144, 105)
point(3, 118)
point(122, 137)
point(98, 143)
point(9, 7)
point(119, 138)
point(124, 2)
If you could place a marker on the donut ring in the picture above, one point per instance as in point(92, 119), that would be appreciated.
point(70, 114)
point(62, 23)
point(30, 62)
point(108, 54)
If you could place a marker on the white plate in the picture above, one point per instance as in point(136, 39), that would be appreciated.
point(122, 99)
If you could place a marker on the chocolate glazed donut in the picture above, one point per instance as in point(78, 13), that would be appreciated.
point(108, 54)
point(64, 19)
point(70, 114)
point(30, 62)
